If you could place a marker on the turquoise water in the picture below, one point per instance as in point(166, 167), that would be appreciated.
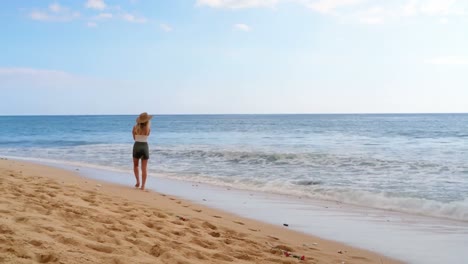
point(409, 163)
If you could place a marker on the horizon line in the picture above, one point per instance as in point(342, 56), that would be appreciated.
point(232, 114)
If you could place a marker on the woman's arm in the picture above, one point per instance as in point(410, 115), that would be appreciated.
point(148, 128)
point(133, 133)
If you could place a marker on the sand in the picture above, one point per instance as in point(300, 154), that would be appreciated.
point(49, 215)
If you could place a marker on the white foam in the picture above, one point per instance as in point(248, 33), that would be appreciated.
point(456, 210)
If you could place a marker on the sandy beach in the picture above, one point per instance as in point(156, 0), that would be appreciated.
point(49, 215)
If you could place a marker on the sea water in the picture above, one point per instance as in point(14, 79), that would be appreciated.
point(412, 163)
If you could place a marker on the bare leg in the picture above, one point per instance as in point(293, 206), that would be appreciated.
point(136, 172)
point(144, 164)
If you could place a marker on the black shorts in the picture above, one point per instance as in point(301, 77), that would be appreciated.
point(140, 150)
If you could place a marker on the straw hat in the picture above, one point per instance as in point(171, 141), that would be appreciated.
point(143, 118)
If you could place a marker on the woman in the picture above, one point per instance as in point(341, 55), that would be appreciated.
point(140, 133)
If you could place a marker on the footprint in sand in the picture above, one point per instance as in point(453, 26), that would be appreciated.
point(360, 258)
point(178, 233)
point(193, 226)
point(36, 243)
point(222, 257)
point(100, 248)
point(238, 222)
point(284, 248)
point(244, 257)
point(5, 230)
point(215, 234)
point(217, 216)
point(45, 258)
point(195, 255)
point(209, 225)
point(204, 243)
point(177, 222)
point(160, 215)
point(48, 228)
point(197, 210)
point(66, 240)
point(227, 241)
point(21, 219)
point(156, 251)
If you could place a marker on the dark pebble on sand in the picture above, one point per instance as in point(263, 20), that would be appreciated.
point(285, 224)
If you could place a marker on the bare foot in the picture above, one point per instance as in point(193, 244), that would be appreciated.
point(142, 188)
point(137, 185)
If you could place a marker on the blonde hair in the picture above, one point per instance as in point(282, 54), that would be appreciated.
point(142, 128)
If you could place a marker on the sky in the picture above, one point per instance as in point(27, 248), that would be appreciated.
point(233, 56)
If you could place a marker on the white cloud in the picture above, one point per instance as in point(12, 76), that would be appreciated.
point(91, 24)
point(104, 16)
point(11, 77)
point(133, 18)
point(28, 71)
point(448, 60)
point(165, 27)
point(357, 10)
point(56, 8)
point(242, 27)
point(39, 15)
point(96, 4)
point(372, 16)
point(432, 8)
point(441, 7)
point(323, 6)
point(330, 6)
point(409, 9)
point(55, 13)
point(237, 4)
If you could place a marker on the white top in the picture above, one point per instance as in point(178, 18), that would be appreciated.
point(141, 138)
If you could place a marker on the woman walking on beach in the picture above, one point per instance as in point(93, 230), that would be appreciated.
point(140, 133)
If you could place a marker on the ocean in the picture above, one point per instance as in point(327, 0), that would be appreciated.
point(410, 163)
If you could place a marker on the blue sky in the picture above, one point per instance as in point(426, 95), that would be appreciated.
point(233, 56)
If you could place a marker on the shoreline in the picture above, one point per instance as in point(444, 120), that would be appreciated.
point(210, 235)
point(95, 169)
